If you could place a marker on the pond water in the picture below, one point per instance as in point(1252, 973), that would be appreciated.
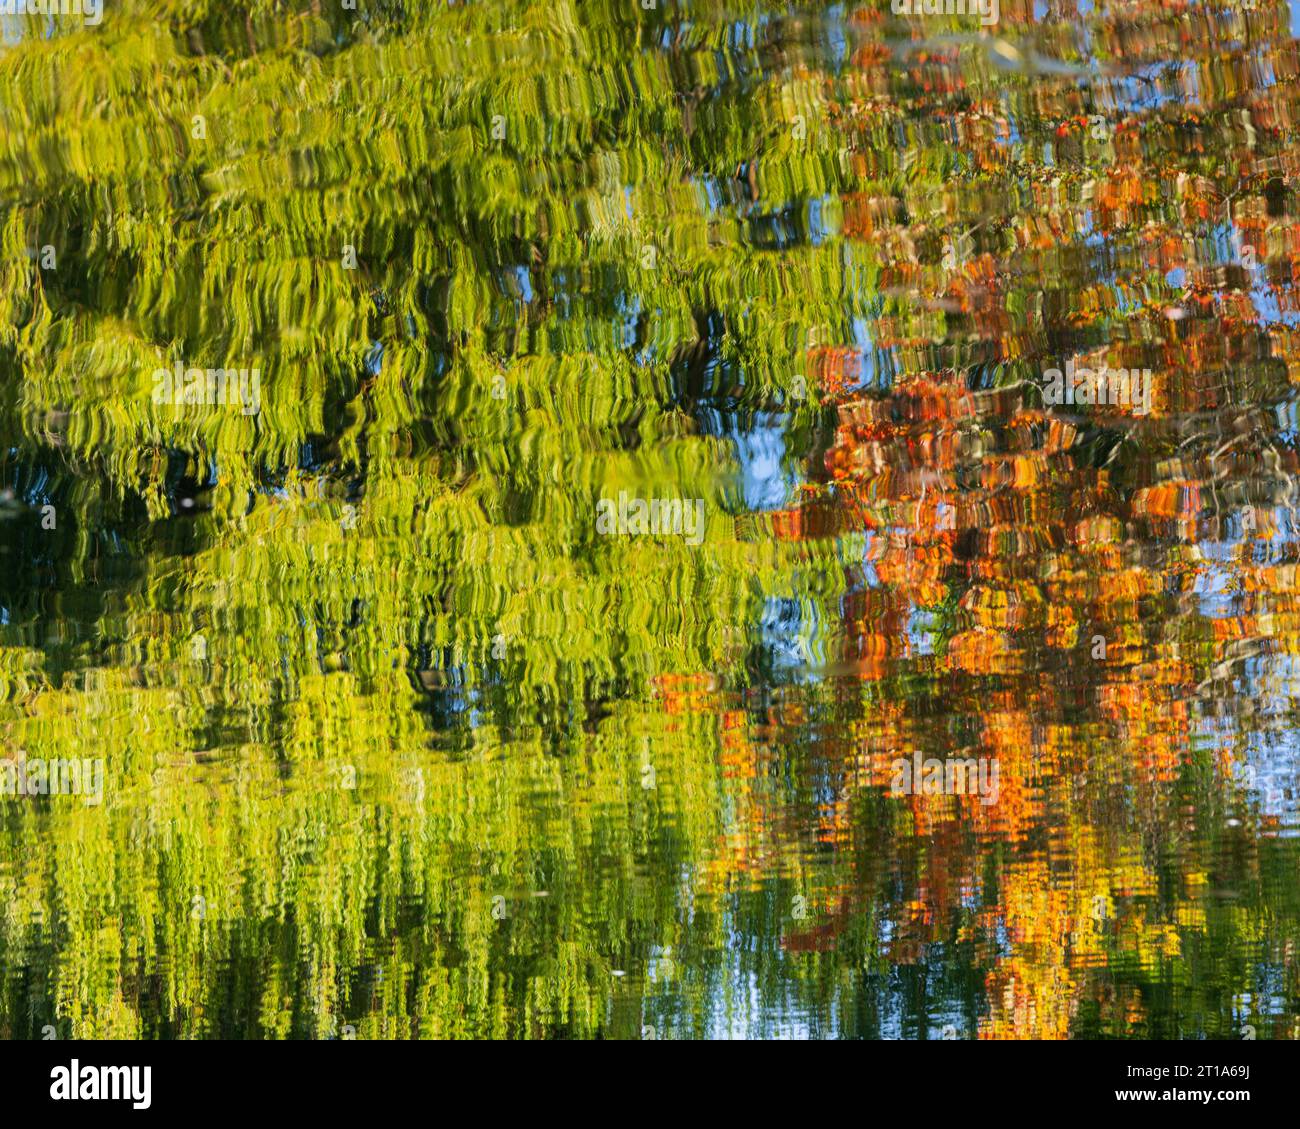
point(738, 519)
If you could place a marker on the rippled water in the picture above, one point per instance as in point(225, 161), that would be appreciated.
point(409, 728)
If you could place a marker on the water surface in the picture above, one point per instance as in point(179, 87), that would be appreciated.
point(398, 741)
